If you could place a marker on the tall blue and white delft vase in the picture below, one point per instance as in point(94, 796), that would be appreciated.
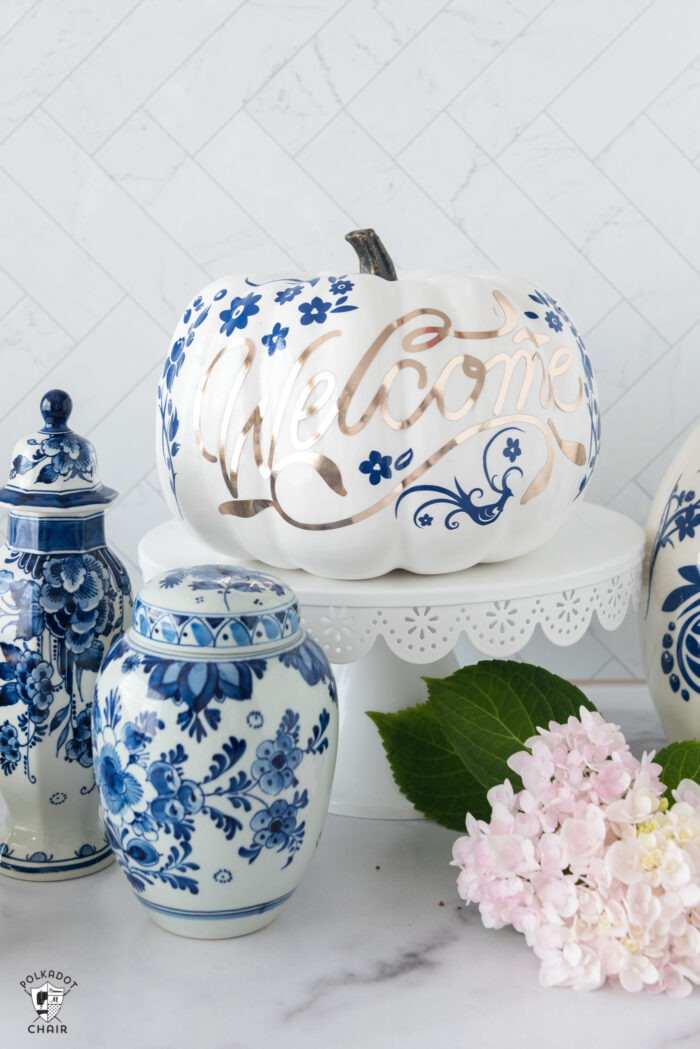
point(64, 597)
point(670, 607)
point(215, 728)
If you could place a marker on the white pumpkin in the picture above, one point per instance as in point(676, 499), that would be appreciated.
point(353, 424)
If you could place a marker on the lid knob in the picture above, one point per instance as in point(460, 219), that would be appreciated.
point(56, 406)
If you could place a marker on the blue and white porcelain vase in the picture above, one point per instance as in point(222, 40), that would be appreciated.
point(670, 608)
point(215, 728)
point(64, 597)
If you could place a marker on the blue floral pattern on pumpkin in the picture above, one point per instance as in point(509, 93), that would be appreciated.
point(152, 807)
point(276, 340)
point(556, 317)
point(242, 308)
point(314, 312)
point(376, 466)
point(462, 502)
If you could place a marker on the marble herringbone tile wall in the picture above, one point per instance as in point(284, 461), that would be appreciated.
point(147, 147)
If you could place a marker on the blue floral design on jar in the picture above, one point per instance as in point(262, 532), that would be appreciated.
point(315, 311)
point(276, 340)
point(195, 684)
point(9, 748)
point(254, 719)
point(425, 520)
point(58, 797)
point(376, 466)
point(278, 758)
point(26, 678)
point(79, 747)
point(276, 827)
point(242, 308)
point(153, 799)
point(122, 781)
point(77, 609)
point(223, 876)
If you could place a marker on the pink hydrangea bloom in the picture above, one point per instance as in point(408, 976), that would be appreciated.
point(590, 863)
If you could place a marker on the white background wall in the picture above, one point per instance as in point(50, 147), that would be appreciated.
point(147, 147)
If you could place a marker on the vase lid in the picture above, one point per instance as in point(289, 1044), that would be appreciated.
point(217, 607)
point(54, 467)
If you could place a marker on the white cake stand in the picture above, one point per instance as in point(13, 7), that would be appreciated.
point(384, 635)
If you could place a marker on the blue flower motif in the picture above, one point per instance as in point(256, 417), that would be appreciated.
point(287, 294)
point(255, 719)
point(79, 748)
point(142, 852)
point(58, 797)
point(177, 798)
point(25, 677)
point(687, 522)
point(238, 313)
point(9, 747)
point(276, 340)
point(376, 466)
point(174, 362)
point(68, 455)
point(276, 761)
point(132, 662)
point(425, 520)
point(196, 684)
point(118, 779)
point(554, 320)
point(314, 311)
point(273, 827)
point(512, 449)
point(340, 286)
point(76, 604)
point(223, 876)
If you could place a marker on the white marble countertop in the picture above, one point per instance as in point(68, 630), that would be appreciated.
point(375, 949)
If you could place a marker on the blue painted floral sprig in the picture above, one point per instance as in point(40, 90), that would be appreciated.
point(679, 520)
point(151, 807)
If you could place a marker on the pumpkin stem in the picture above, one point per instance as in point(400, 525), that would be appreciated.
point(371, 253)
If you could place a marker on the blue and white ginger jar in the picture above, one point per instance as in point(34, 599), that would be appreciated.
point(215, 728)
point(64, 597)
point(670, 609)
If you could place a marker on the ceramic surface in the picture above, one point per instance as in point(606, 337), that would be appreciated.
point(350, 424)
point(64, 597)
point(215, 726)
point(670, 609)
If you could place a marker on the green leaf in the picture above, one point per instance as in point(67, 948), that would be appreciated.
point(427, 769)
point(488, 710)
point(679, 761)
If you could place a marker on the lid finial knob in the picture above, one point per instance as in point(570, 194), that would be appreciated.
point(56, 406)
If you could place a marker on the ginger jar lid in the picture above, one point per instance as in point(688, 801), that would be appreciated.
point(55, 467)
point(219, 608)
